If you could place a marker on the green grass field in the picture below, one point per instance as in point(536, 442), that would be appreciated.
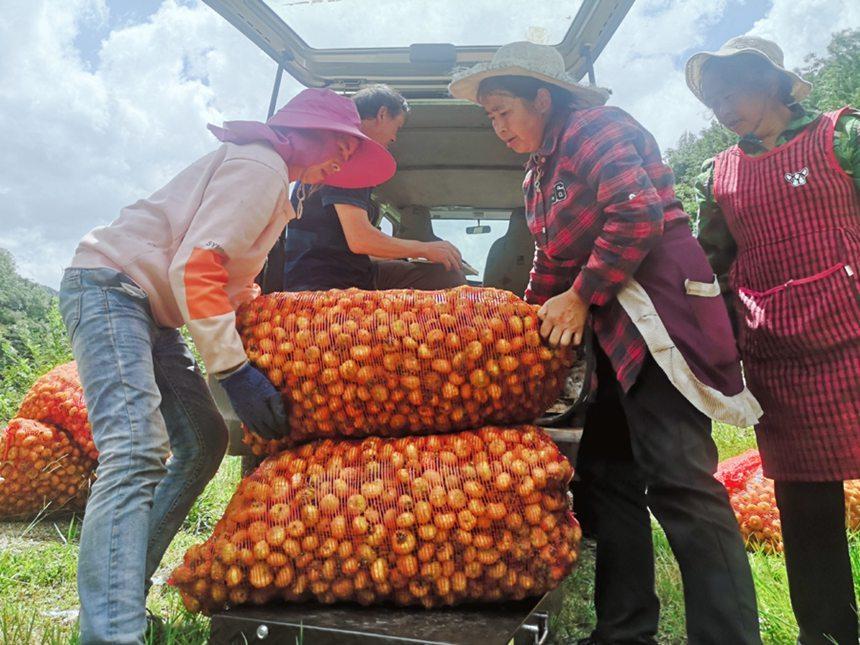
point(38, 600)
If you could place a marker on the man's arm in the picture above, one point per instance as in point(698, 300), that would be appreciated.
point(365, 239)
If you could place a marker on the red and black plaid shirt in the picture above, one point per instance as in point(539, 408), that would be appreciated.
point(597, 197)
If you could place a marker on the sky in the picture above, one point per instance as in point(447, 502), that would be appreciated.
point(103, 101)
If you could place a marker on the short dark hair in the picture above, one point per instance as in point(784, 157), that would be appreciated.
point(526, 87)
point(369, 99)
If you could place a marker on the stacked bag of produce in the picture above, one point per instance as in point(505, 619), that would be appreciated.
point(415, 495)
point(396, 363)
point(753, 500)
point(47, 457)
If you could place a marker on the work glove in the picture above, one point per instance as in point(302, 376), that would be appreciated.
point(256, 402)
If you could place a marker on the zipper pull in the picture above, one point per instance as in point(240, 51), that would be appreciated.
point(849, 270)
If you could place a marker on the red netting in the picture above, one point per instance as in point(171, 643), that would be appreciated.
point(41, 470)
point(393, 363)
point(434, 520)
point(734, 472)
point(57, 398)
point(754, 502)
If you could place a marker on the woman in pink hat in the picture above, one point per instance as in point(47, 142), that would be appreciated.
point(779, 216)
point(186, 255)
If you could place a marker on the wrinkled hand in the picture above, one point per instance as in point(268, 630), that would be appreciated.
point(443, 253)
point(564, 317)
point(256, 401)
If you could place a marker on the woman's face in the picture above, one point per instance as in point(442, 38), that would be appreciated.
point(518, 122)
point(341, 148)
point(741, 107)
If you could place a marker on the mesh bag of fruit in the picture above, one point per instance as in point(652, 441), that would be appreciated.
point(57, 398)
point(41, 470)
point(431, 520)
point(754, 502)
point(394, 363)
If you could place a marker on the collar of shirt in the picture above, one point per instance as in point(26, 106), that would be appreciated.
point(751, 144)
point(552, 134)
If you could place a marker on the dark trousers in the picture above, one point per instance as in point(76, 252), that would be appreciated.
point(817, 561)
point(651, 449)
point(425, 276)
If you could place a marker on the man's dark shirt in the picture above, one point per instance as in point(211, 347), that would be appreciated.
point(316, 253)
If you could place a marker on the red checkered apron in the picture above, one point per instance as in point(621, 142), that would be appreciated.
point(795, 216)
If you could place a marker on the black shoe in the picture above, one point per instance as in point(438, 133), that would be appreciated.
point(592, 640)
point(156, 629)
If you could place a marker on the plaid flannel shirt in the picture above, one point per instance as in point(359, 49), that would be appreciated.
point(597, 196)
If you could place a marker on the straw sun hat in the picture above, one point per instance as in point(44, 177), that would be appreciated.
point(525, 59)
point(767, 50)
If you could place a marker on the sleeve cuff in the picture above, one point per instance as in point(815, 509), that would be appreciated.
point(589, 289)
point(351, 197)
point(227, 373)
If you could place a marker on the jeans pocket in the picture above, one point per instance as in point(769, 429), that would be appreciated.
point(129, 289)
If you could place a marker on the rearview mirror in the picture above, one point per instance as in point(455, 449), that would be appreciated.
point(477, 230)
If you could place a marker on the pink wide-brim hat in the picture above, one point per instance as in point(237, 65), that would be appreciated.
point(318, 109)
point(321, 109)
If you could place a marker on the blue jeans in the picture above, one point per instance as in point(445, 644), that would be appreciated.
point(146, 399)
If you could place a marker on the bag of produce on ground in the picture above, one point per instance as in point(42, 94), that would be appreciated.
point(41, 470)
point(754, 501)
point(57, 398)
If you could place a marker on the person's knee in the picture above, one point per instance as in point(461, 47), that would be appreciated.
point(203, 456)
point(135, 468)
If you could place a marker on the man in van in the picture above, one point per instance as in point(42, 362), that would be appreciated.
point(331, 243)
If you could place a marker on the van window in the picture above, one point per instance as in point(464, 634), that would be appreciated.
point(399, 23)
point(474, 248)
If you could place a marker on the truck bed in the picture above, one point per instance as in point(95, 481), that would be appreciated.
point(523, 622)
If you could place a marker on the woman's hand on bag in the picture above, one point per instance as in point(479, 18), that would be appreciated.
point(564, 317)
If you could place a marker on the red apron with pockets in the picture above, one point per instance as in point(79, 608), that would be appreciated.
point(795, 216)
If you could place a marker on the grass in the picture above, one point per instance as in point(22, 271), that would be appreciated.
point(38, 597)
point(776, 618)
point(38, 600)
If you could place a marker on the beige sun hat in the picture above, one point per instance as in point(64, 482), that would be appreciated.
point(761, 47)
point(525, 59)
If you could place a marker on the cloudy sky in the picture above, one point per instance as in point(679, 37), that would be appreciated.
point(103, 101)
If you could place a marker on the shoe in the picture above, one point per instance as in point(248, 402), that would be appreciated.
point(156, 629)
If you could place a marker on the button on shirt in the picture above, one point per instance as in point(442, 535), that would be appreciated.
point(597, 197)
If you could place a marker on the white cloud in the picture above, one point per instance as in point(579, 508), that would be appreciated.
point(81, 140)
point(78, 145)
point(804, 27)
point(641, 64)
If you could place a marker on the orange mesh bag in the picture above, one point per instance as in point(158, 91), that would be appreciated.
point(394, 363)
point(41, 470)
point(58, 398)
point(435, 520)
point(852, 504)
point(754, 501)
